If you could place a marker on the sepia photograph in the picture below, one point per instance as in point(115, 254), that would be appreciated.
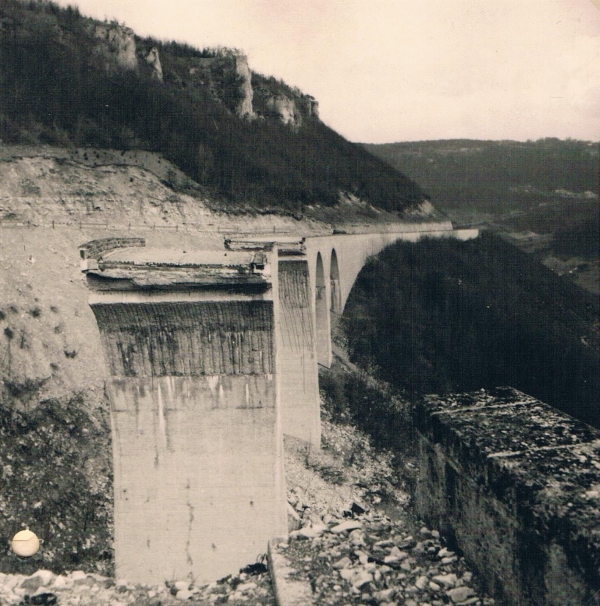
point(299, 302)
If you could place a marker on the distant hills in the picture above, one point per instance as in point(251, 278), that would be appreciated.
point(497, 176)
point(542, 195)
point(246, 139)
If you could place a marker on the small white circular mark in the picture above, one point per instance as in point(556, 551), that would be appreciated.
point(25, 543)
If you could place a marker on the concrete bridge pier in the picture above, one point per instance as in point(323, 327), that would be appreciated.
point(190, 340)
point(300, 402)
point(299, 376)
point(322, 316)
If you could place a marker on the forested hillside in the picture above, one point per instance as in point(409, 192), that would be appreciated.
point(497, 176)
point(442, 316)
point(71, 81)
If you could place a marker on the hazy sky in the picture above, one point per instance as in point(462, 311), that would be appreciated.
point(405, 70)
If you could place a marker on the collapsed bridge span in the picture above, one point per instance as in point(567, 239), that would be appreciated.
point(213, 356)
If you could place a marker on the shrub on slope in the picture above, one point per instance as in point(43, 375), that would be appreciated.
point(55, 477)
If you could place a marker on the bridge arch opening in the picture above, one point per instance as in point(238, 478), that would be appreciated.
point(334, 280)
point(321, 314)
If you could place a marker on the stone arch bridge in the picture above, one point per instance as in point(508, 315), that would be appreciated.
point(213, 356)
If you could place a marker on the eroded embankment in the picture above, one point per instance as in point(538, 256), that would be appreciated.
point(51, 201)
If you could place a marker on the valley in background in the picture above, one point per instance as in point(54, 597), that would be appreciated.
point(542, 196)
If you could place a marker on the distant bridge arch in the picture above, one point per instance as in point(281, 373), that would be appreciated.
point(334, 264)
point(334, 284)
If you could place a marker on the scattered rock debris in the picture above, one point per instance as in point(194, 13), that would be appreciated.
point(80, 589)
point(376, 561)
point(354, 541)
point(358, 541)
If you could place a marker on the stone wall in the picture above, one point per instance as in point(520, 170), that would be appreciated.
point(515, 485)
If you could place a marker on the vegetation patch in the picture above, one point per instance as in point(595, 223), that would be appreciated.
point(55, 478)
point(23, 390)
point(450, 316)
point(382, 416)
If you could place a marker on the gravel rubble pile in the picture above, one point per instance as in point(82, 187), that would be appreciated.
point(370, 559)
point(77, 588)
point(347, 548)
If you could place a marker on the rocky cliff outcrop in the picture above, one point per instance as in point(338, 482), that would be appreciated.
point(273, 99)
point(228, 76)
point(153, 60)
point(244, 108)
point(284, 108)
point(116, 47)
point(248, 94)
point(311, 106)
point(292, 109)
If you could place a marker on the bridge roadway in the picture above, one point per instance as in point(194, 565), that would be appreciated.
point(213, 356)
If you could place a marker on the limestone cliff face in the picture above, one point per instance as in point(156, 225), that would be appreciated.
point(153, 60)
point(289, 105)
point(116, 46)
point(247, 94)
point(116, 49)
point(229, 77)
point(294, 108)
point(244, 108)
point(284, 108)
point(311, 106)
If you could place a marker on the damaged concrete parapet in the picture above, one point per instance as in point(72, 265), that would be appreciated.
point(516, 484)
point(160, 269)
point(93, 250)
point(190, 340)
point(286, 245)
